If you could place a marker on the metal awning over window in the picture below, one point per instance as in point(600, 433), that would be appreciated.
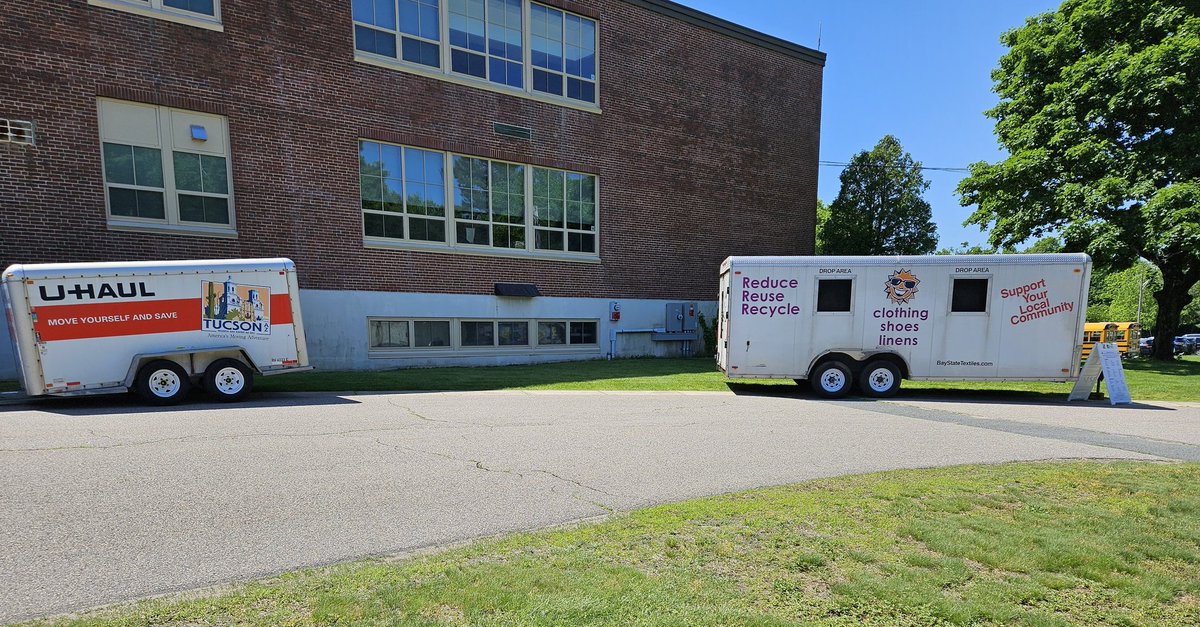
point(523, 290)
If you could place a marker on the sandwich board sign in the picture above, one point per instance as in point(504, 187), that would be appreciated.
point(1106, 358)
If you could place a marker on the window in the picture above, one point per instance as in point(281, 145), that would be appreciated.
point(969, 295)
point(378, 24)
point(478, 333)
point(388, 333)
point(16, 132)
point(485, 43)
point(563, 53)
point(485, 40)
point(583, 333)
point(389, 336)
point(405, 195)
point(165, 168)
point(563, 333)
point(431, 333)
point(202, 13)
point(513, 333)
point(403, 192)
point(833, 295)
point(489, 202)
point(564, 209)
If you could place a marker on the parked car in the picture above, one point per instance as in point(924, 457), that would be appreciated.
point(1186, 345)
point(1194, 338)
point(1145, 346)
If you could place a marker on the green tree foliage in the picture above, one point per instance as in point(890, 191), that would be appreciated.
point(1049, 244)
point(1100, 113)
point(1114, 298)
point(822, 219)
point(879, 210)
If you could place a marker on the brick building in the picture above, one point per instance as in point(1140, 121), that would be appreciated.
point(411, 155)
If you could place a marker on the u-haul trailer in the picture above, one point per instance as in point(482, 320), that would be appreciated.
point(837, 321)
point(154, 327)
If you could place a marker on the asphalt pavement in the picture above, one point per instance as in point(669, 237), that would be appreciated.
point(103, 500)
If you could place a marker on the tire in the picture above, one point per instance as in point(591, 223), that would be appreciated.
point(880, 379)
point(163, 382)
point(831, 379)
point(228, 380)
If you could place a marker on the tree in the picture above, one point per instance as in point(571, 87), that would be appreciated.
point(879, 209)
point(1048, 244)
point(1115, 298)
point(1100, 113)
point(822, 219)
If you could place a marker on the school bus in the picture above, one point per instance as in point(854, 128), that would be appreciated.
point(1124, 334)
point(1102, 332)
point(1128, 334)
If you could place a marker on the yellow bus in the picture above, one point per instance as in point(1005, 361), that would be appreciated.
point(1128, 334)
point(1097, 332)
point(1124, 334)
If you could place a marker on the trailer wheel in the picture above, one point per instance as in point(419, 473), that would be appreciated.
point(831, 379)
point(163, 382)
point(880, 379)
point(228, 380)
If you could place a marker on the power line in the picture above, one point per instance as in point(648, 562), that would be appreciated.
point(842, 164)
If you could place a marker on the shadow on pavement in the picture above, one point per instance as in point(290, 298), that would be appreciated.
point(1017, 397)
point(196, 401)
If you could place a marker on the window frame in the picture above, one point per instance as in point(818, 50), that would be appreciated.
point(987, 303)
point(451, 243)
point(456, 347)
point(817, 295)
point(172, 222)
point(156, 9)
point(445, 72)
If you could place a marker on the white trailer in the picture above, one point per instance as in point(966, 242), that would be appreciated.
point(876, 320)
point(154, 327)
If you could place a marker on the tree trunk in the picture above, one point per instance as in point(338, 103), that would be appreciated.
point(1172, 298)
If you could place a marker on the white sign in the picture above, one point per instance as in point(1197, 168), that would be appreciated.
point(1104, 358)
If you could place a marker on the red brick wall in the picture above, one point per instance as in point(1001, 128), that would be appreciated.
point(706, 147)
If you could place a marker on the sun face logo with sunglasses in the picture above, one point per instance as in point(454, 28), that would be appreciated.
point(901, 286)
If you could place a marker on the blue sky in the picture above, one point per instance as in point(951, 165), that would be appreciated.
point(919, 70)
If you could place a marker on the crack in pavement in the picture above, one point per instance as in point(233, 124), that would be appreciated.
point(1075, 435)
point(479, 465)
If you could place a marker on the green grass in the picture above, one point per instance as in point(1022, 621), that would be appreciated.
point(1177, 381)
point(1081, 543)
point(1149, 381)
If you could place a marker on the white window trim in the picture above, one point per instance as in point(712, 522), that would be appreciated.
point(446, 74)
point(457, 349)
point(987, 304)
point(817, 294)
point(453, 246)
point(155, 9)
point(171, 223)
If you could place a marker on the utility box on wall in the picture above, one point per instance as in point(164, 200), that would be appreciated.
point(682, 318)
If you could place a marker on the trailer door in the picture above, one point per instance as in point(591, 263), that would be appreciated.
point(722, 347)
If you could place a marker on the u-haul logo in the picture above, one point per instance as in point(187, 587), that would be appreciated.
point(94, 291)
point(232, 308)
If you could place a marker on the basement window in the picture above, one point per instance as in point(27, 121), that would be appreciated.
point(16, 132)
